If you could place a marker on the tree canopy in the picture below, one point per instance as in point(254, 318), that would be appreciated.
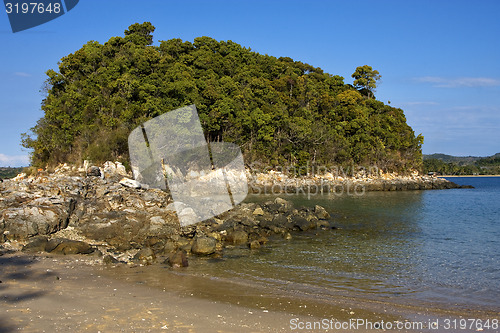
point(365, 79)
point(279, 111)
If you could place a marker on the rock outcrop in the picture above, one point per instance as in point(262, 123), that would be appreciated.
point(103, 215)
point(277, 182)
point(96, 210)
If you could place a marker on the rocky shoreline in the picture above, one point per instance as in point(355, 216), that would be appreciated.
point(277, 182)
point(116, 220)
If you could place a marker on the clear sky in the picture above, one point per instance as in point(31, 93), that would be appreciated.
point(439, 60)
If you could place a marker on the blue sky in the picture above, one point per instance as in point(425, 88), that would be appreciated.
point(439, 60)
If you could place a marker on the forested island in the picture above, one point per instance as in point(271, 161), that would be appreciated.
point(279, 111)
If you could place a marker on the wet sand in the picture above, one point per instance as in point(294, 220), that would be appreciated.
point(41, 293)
point(59, 294)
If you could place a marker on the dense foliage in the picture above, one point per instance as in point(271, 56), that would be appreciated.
point(470, 165)
point(279, 111)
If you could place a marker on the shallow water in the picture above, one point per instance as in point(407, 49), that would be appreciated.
point(439, 248)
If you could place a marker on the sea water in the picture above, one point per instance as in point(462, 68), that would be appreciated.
point(438, 246)
point(435, 248)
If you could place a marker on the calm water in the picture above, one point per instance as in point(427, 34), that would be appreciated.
point(423, 246)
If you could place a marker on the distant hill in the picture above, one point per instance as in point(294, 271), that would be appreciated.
point(462, 165)
point(8, 172)
point(461, 160)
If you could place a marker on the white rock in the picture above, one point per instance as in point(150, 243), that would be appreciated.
point(20, 176)
point(193, 174)
point(130, 183)
point(120, 169)
point(109, 168)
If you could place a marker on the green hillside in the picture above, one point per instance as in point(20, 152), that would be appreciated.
point(279, 111)
point(462, 165)
point(8, 172)
point(461, 160)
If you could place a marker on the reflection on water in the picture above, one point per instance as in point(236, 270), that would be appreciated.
point(370, 253)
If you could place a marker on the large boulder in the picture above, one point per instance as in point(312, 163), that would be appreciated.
point(203, 245)
point(68, 246)
point(236, 237)
point(42, 216)
point(302, 223)
point(37, 244)
point(321, 213)
point(125, 217)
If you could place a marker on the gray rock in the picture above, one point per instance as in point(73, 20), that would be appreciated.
point(281, 201)
point(248, 221)
point(323, 224)
point(203, 245)
point(284, 206)
point(280, 221)
point(188, 216)
point(68, 246)
point(254, 245)
point(169, 247)
point(302, 223)
point(94, 171)
point(37, 244)
point(109, 259)
point(30, 220)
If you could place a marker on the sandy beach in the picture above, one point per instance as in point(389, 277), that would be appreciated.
point(42, 293)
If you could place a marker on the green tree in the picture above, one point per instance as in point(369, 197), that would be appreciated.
point(365, 80)
point(279, 111)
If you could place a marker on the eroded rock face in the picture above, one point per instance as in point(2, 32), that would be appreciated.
point(125, 217)
point(100, 210)
point(40, 208)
